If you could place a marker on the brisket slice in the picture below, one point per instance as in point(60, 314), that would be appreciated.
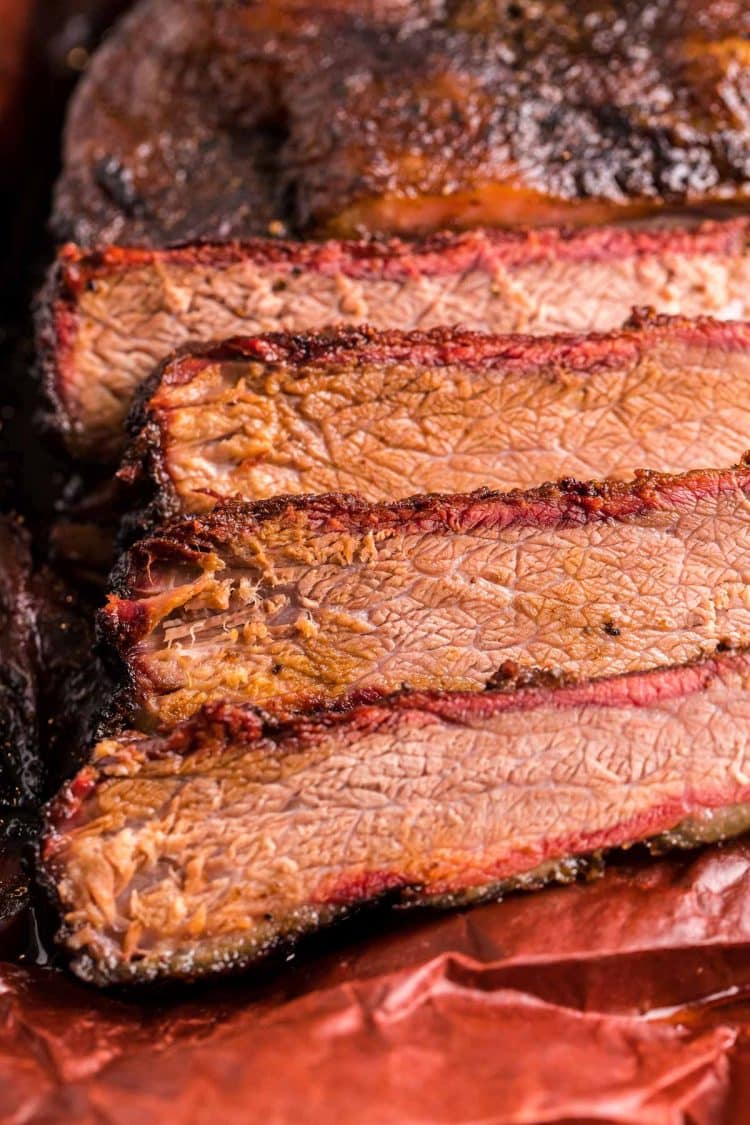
point(201, 850)
point(390, 414)
point(302, 599)
point(107, 318)
point(403, 117)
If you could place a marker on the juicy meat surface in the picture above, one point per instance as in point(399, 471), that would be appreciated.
point(107, 318)
point(321, 598)
point(391, 414)
point(198, 851)
point(353, 116)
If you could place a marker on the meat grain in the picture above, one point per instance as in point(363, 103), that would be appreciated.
point(316, 599)
point(108, 317)
point(199, 851)
point(388, 414)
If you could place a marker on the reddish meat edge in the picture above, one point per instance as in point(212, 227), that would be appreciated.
point(303, 600)
point(386, 414)
point(202, 850)
point(106, 318)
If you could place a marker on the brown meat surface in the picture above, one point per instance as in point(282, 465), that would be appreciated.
point(319, 598)
point(390, 414)
point(354, 116)
point(198, 851)
point(109, 317)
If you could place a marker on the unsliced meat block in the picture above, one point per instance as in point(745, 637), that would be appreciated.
point(201, 850)
point(305, 599)
point(108, 317)
point(404, 117)
point(393, 413)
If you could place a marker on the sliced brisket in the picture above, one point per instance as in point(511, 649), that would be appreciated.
point(109, 317)
point(199, 851)
point(318, 598)
point(391, 414)
point(404, 117)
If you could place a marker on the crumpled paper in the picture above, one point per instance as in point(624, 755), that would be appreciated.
point(622, 1000)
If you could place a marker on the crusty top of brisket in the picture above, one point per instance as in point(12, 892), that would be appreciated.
point(443, 252)
point(443, 347)
point(354, 117)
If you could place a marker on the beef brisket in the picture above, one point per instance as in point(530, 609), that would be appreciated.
point(307, 599)
point(404, 117)
point(389, 414)
point(199, 851)
point(108, 317)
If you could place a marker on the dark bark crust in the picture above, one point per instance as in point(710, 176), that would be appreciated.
point(302, 117)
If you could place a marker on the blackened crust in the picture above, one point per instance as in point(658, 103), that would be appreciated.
point(344, 117)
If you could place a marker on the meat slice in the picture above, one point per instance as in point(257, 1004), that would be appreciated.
point(390, 414)
point(107, 318)
point(305, 599)
point(201, 850)
point(46, 696)
point(404, 117)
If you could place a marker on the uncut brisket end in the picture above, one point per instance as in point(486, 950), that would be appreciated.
point(202, 178)
point(404, 118)
point(199, 851)
point(387, 414)
point(108, 317)
point(306, 599)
